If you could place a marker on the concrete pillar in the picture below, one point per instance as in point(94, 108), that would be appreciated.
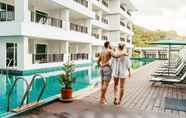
point(67, 53)
point(65, 14)
point(22, 13)
point(90, 53)
point(89, 25)
point(23, 57)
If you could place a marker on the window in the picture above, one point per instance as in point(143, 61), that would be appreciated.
point(41, 53)
point(11, 54)
point(41, 17)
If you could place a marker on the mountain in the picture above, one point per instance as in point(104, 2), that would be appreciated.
point(143, 36)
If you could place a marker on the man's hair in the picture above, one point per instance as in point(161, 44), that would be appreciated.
point(121, 46)
point(106, 44)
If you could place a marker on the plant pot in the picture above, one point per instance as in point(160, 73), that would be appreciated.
point(66, 94)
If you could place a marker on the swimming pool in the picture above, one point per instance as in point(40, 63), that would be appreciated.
point(84, 78)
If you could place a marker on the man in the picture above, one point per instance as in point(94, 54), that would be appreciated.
point(106, 71)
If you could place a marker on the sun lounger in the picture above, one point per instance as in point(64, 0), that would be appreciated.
point(171, 71)
point(169, 80)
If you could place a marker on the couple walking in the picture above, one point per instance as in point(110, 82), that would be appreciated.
point(114, 63)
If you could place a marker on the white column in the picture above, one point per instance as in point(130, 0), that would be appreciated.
point(89, 26)
point(65, 14)
point(67, 53)
point(21, 11)
point(23, 57)
point(90, 52)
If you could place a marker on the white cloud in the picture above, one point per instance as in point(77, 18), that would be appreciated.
point(161, 14)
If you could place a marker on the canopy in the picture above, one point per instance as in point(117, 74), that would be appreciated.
point(169, 42)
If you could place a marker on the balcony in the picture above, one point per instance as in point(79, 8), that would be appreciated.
point(47, 58)
point(97, 17)
point(122, 39)
point(123, 8)
point(47, 20)
point(78, 28)
point(7, 16)
point(82, 2)
point(104, 20)
point(95, 35)
point(105, 3)
point(79, 56)
point(128, 12)
point(105, 38)
point(122, 23)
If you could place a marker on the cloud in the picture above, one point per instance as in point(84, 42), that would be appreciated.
point(161, 14)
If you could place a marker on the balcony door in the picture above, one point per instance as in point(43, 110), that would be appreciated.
point(11, 54)
point(41, 53)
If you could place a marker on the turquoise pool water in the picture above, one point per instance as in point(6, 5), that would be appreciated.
point(83, 79)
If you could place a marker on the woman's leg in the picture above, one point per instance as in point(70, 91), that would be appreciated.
point(122, 88)
point(116, 81)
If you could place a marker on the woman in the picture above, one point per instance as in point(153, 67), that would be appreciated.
point(121, 71)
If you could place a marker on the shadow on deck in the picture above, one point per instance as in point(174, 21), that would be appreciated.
point(140, 101)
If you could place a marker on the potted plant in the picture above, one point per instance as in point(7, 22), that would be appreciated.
point(66, 80)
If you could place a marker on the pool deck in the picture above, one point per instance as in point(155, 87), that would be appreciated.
point(140, 101)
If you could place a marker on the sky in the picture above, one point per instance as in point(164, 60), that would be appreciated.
point(161, 15)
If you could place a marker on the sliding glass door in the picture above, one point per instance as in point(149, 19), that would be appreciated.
point(11, 54)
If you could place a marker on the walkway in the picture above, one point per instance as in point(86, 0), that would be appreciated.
point(141, 101)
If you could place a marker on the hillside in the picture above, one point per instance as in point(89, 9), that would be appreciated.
point(143, 36)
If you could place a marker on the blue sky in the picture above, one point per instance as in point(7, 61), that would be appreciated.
point(161, 14)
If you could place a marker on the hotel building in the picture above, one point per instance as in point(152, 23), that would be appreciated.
point(44, 34)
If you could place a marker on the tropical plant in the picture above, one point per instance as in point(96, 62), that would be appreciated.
point(67, 78)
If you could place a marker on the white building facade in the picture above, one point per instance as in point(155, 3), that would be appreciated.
point(40, 34)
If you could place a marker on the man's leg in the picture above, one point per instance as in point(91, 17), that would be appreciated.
point(116, 81)
point(104, 90)
point(122, 88)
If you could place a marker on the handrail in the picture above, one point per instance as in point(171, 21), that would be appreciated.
point(11, 90)
point(30, 85)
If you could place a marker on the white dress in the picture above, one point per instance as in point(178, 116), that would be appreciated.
point(120, 67)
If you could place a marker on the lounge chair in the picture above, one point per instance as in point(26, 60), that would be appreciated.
point(172, 65)
point(171, 74)
point(171, 70)
point(169, 80)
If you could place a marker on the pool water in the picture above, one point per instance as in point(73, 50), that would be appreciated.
point(83, 80)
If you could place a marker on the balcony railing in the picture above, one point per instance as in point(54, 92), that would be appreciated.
point(105, 20)
point(122, 24)
point(47, 58)
point(7, 16)
point(105, 3)
point(104, 38)
point(79, 56)
point(95, 35)
point(43, 19)
point(78, 28)
point(82, 2)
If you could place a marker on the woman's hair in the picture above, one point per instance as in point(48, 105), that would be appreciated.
point(121, 46)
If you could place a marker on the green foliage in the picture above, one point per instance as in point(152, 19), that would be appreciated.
point(67, 78)
point(143, 36)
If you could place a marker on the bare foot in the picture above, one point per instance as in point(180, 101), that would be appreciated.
point(103, 101)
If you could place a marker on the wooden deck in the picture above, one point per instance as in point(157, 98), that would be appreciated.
point(140, 101)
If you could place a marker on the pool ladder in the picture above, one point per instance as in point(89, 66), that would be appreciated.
point(27, 92)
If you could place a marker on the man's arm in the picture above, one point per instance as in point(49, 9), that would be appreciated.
point(99, 60)
point(118, 55)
